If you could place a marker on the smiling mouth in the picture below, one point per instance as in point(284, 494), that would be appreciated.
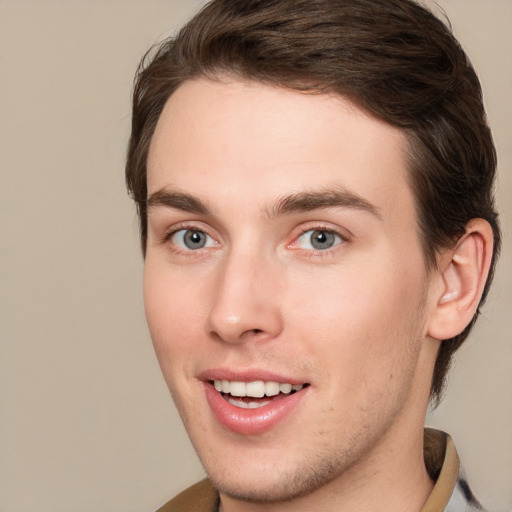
point(254, 394)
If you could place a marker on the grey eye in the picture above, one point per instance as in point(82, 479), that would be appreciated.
point(192, 240)
point(318, 239)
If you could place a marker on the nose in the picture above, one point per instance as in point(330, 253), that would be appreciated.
point(246, 300)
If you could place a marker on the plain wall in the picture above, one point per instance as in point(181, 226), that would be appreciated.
point(86, 422)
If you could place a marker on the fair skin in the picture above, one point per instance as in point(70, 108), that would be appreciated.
point(283, 248)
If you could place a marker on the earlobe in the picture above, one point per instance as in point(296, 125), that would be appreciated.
point(463, 272)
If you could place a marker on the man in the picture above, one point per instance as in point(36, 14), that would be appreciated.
point(314, 182)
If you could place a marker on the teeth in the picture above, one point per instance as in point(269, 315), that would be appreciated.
point(255, 389)
point(271, 388)
point(238, 389)
point(285, 388)
point(248, 405)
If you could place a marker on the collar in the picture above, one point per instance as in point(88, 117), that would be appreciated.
point(442, 463)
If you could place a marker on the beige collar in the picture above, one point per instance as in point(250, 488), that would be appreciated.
point(442, 463)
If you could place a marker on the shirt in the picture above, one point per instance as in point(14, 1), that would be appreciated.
point(451, 492)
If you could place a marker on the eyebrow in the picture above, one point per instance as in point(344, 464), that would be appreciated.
point(177, 200)
point(337, 197)
point(306, 201)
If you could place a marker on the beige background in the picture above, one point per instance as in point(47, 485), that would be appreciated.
point(86, 423)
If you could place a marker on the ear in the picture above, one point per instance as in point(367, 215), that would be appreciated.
point(463, 272)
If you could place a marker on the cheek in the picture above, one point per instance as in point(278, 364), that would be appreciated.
point(366, 316)
point(349, 296)
point(173, 313)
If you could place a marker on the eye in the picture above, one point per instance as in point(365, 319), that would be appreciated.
point(192, 239)
point(318, 239)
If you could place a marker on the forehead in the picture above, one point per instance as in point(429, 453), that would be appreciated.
point(231, 139)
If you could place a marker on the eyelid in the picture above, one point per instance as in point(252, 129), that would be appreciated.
point(343, 234)
point(210, 242)
point(185, 225)
point(336, 239)
point(170, 232)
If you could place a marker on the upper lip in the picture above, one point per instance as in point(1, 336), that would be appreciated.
point(248, 375)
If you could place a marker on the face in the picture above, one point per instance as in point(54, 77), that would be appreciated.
point(285, 287)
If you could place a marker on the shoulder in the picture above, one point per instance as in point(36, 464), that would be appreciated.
point(201, 497)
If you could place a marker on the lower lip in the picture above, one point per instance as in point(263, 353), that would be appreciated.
point(251, 421)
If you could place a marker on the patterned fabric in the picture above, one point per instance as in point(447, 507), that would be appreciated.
point(451, 492)
point(462, 499)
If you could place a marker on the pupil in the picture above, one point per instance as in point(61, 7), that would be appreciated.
point(195, 239)
point(322, 239)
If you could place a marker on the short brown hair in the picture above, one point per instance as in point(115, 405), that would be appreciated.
point(393, 58)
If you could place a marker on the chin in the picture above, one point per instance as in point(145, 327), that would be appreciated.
point(275, 483)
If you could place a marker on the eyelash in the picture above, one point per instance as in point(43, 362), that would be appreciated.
point(319, 253)
point(167, 237)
